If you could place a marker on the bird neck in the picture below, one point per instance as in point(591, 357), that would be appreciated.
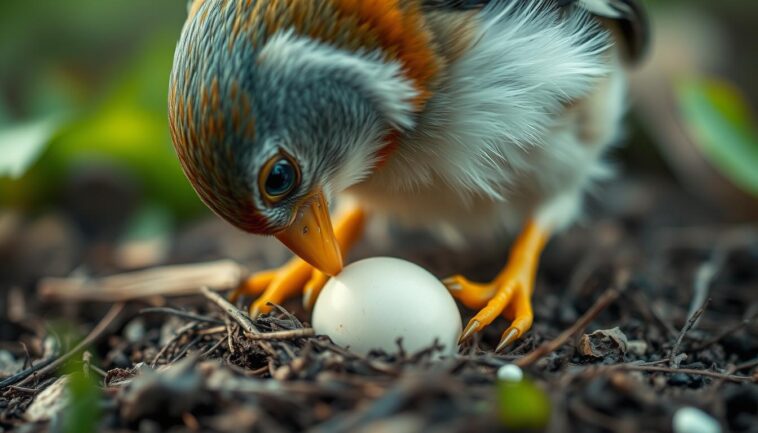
point(392, 141)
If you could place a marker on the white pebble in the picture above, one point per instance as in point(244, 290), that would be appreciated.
point(510, 373)
point(692, 420)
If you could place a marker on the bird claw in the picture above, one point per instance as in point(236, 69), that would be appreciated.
point(509, 298)
point(471, 329)
point(509, 337)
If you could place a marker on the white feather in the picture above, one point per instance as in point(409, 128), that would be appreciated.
point(503, 98)
point(498, 142)
point(605, 8)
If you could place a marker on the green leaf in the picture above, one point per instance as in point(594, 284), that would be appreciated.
point(719, 119)
point(83, 413)
point(22, 145)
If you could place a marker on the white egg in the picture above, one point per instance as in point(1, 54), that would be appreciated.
point(373, 302)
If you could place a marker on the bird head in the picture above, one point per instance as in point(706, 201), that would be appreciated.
point(269, 123)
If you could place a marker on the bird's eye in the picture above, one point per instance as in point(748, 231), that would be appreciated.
point(278, 178)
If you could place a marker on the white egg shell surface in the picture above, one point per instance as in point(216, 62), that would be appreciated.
point(375, 301)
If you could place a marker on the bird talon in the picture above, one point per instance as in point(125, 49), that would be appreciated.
point(508, 337)
point(471, 329)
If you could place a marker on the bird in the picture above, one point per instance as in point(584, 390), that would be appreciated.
point(455, 116)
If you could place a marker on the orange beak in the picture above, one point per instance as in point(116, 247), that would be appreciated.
point(311, 235)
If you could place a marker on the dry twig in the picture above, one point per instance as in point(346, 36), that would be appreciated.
point(601, 304)
point(177, 280)
point(687, 326)
point(283, 335)
point(692, 371)
point(235, 313)
point(93, 336)
point(180, 313)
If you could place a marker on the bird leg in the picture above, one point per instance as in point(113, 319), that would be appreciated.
point(277, 285)
point(509, 293)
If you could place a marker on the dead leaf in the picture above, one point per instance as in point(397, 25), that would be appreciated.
point(603, 343)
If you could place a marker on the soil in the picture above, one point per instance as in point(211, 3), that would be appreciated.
point(647, 306)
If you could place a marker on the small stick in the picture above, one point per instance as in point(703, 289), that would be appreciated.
point(687, 326)
point(21, 389)
point(180, 313)
point(283, 335)
point(186, 349)
point(708, 373)
point(601, 304)
point(212, 331)
point(230, 331)
point(213, 348)
point(176, 280)
point(746, 365)
point(93, 336)
point(725, 333)
point(232, 311)
point(173, 340)
point(23, 374)
point(649, 368)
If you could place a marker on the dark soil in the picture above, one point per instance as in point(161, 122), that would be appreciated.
point(665, 258)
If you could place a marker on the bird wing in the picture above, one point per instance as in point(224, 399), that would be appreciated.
point(629, 15)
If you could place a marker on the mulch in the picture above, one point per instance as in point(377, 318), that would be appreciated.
point(648, 306)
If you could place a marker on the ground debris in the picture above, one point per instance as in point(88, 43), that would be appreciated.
point(611, 353)
point(607, 344)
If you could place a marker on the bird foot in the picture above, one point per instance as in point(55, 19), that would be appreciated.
point(276, 285)
point(509, 295)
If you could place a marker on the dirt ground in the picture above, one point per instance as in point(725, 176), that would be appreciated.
point(647, 306)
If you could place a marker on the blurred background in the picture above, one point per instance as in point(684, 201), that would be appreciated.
point(89, 181)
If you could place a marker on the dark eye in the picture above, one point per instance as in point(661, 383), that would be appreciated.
point(281, 179)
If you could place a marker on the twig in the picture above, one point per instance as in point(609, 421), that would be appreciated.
point(746, 365)
point(601, 304)
point(161, 281)
point(687, 326)
point(212, 331)
point(651, 368)
point(725, 333)
point(93, 336)
point(231, 330)
point(213, 348)
point(182, 314)
point(235, 313)
point(283, 335)
point(21, 389)
point(703, 278)
point(173, 339)
point(186, 349)
point(21, 375)
point(708, 373)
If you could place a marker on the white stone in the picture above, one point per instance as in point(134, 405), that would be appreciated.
point(692, 420)
point(510, 373)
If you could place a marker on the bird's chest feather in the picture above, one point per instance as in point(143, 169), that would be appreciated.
point(501, 131)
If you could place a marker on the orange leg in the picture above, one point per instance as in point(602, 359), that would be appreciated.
point(509, 293)
point(277, 285)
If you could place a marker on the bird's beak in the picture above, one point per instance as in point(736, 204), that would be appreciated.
point(311, 236)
